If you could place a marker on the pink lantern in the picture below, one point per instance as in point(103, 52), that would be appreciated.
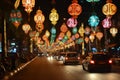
point(72, 22)
point(26, 28)
point(107, 22)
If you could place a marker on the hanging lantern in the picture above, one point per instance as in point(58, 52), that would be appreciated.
point(15, 17)
point(39, 17)
point(54, 16)
point(53, 30)
point(63, 28)
point(92, 0)
point(86, 39)
point(93, 21)
point(74, 9)
point(99, 35)
point(109, 8)
point(77, 35)
point(28, 4)
point(81, 30)
point(47, 33)
point(72, 22)
point(61, 35)
point(113, 31)
point(92, 37)
point(39, 27)
point(87, 30)
point(68, 34)
point(74, 30)
point(26, 28)
point(107, 22)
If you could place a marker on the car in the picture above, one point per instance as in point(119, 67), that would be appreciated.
point(71, 57)
point(97, 62)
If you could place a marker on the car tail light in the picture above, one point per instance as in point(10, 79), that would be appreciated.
point(110, 61)
point(92, 62)
point(78, 57)
point(66, 58)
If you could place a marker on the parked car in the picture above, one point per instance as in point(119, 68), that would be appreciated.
point(71, 57)
point(97, 62)
point(116, 59)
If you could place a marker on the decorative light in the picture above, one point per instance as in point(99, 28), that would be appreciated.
point(53, 30)
point(77, 35)
point(99, 35)
point(74, 30)
point(72, 22)
point(87, 30)
point(92, 37)
point(47, 33)
point(107, 22)
point(26, 28)
point(74, 9)
point(93, 21)
point(39, 17)
point(54, 17)
point(28, 4)
point(109, 8)
point(63, 28)
point(16, 17)
point(81, 30)
point(39, 27)
point(92, 0)
point(113, 31)
point(86, 39)
point(68, 34)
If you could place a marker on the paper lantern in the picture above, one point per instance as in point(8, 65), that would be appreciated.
point(53, 30)
point(74, 9)
point(113, 31)
point(93, 21)
point(109, 9)
point(63, 28)
point(107, 22)
point(39, 27)
point(72, 22)
point(99, 35)
point(39, 17)
point(26, 28)
point(28, 4)
point(54, 17)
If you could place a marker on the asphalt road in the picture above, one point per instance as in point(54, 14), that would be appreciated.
point(43, 68)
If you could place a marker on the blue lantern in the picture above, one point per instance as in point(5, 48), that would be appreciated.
point(53, 30)
point(92, 0)
point(93, 21)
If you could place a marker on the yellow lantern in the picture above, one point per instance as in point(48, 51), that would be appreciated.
point(113, 31)
point(68, 34)
point(81, 30)
point(99, 35)
point(92, 37)
point(109, 8)
point(39, 17)
point(28, 4)
point(47, 33)
point(54, 16)
point(26, 28)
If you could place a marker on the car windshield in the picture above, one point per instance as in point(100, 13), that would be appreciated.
point(100, 57)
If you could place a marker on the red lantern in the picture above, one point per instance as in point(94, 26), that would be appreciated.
point(74, 9)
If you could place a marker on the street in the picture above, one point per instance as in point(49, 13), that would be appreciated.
point(47, 68)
